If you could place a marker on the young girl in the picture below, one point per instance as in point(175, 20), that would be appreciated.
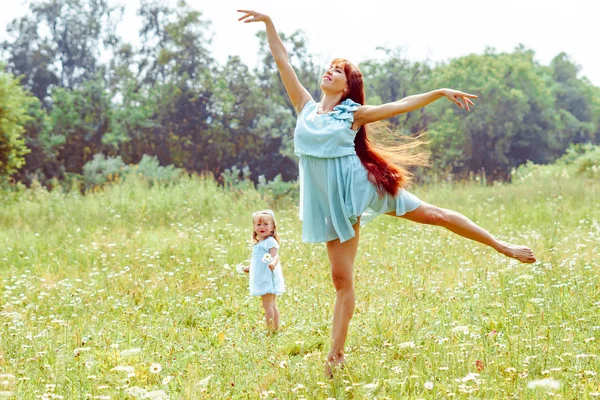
point(266, 278)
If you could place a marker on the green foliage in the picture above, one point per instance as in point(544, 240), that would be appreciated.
point(394, 78)
point(580, 160)
point(276, 192)
point(168, 98)
point(153, 172)
point(85, 278)
point(102, 169)
point(512, 122)
point(589, 164)
point(14, 103)
point(279, 193)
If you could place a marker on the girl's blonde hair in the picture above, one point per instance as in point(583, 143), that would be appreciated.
point(267, 215)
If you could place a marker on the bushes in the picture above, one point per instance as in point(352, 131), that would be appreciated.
point(277, 192)
point(102, 170)
point(579, 160)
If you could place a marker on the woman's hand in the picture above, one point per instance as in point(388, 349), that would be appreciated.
point(253, 16)
point(271, 266)
point(459, 98)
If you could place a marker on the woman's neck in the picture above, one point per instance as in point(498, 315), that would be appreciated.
point(330, 101)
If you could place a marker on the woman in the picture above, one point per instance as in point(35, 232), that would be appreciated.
point(343, 177)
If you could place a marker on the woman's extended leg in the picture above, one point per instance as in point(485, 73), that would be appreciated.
point(463, 226)
point(341, 257)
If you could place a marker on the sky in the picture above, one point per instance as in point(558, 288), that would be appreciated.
point(435, 30)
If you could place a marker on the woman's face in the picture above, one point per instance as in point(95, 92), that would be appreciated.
point(334, 79)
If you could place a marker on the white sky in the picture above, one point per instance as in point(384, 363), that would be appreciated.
point(432, 29)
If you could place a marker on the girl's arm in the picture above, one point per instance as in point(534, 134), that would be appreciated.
point(275, 255)
point(297, 93)
point(367, 114)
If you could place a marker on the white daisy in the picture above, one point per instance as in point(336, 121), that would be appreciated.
point(155, 368)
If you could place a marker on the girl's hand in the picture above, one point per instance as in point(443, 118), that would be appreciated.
point(253, 16)
point(271, 267)
point(459, 98)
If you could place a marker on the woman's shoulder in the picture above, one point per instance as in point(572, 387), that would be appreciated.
point(308, 106)
point(345, 110)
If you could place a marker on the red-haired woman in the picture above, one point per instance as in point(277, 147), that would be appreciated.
point(345, 181)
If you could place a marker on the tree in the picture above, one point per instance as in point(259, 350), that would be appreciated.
point(576, 101)
point(14, 103)
point(393, 79)
point(67, 53)
point(514, 119)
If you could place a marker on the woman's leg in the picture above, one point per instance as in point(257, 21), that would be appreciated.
point(268, 302)
point(341, 257)
point(463, 226)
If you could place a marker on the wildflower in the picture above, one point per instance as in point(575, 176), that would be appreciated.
point(462, 329)
point(299, 387)
point(240, 268)
point(267, 258)
point(157, 395)
point(204, 381)
point(428, 385)
point(479, 365)
point(77, 352)
point(130, 352)
point(471, 376)
point(166, 380)
point(155, 368)
point(547, 384)
point(371, 386)
point(406, 345)
point(130, 370)
point(136, 392)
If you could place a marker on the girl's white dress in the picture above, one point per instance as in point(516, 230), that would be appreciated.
point(262, 279)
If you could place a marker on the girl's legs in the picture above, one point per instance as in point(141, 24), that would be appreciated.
point(463, 226)
point(341, 257)
point(269, 302)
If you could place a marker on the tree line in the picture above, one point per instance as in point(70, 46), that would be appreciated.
point(71, 88)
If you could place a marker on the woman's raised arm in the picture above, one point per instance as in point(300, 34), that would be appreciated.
point(297, 93)
point(367, 114)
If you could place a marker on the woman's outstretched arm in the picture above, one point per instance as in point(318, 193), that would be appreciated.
point(367, 114)
point(297, 93)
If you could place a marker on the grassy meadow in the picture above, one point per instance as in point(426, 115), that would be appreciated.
point(132, 293)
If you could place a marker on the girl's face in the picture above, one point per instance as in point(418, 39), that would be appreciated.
point(334, 79)
point(263, 228)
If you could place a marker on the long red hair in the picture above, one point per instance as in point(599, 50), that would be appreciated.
point(386, 165)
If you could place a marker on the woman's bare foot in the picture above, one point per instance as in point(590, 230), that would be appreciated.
point(333, 364)
point(521, 253)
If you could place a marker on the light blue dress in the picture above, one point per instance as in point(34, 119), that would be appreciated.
point(262, 279)
point(334, 185)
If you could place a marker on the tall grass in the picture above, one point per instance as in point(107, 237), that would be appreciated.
point(132, 292)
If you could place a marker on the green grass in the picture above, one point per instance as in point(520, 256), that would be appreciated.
point(83, 278)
